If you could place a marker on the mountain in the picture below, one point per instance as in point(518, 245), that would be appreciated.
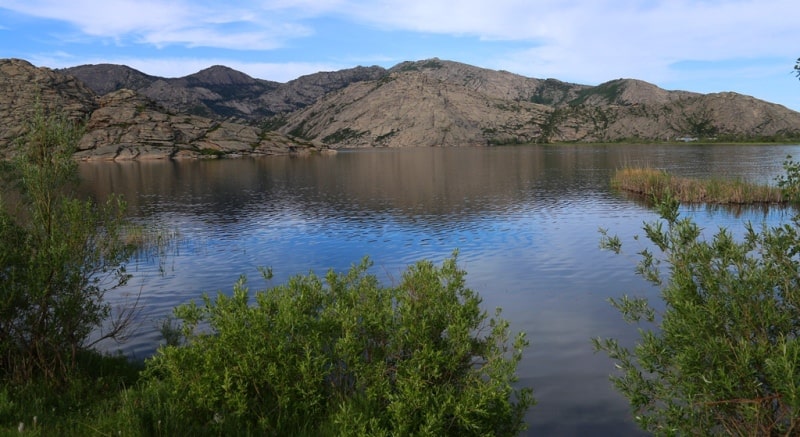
point(125, 125)
point(105, 78)
point(220, 111)
point(443, 103)
point(221, 92)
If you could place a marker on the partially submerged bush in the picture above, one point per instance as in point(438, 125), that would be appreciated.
point(346, 356)
point(723, 357)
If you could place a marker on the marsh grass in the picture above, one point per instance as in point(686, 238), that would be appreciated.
point(654, 183)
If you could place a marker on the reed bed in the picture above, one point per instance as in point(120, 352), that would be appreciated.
point(654, 183)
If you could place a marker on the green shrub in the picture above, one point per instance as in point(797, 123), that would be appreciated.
point(789, 183)
point(343, 135)
point(722, 357)
point(345, 356)
point(58, 257)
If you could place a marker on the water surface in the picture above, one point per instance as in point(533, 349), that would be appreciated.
point(524, 219)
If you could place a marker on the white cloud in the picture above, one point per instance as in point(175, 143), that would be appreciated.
point(605, 36)
point(159, 23)
point(109, 18)
point(598, 40)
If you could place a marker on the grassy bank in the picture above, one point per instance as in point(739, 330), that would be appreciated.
point(92, 402)
point(653, 183)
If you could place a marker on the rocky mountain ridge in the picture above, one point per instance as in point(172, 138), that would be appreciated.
point(123, 124)
point(220, 111)
point(443, 103)
point(221, 92)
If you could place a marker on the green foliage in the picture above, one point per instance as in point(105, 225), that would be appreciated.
point(209, 152)
point(432, 64)
point(797, 68)
point(790, 182)
point(94, 403)
point(273, 123)
point(722, 357)
point(609, 91)
point(384, 80)
point(344, 356)
point(58, 258)
point(550, 126)
point(698, 122)
point(342, 135)
point(299, 131)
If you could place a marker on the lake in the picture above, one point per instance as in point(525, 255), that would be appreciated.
point(524, 219)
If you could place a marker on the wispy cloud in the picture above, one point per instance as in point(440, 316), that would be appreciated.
point(604, 38)
point(584, 34)
point(159, 23)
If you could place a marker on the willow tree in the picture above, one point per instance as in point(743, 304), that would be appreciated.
point(60, 255)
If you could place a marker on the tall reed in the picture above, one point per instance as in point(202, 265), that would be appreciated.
point(652, 182)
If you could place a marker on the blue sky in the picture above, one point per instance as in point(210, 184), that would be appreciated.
point(746, 46)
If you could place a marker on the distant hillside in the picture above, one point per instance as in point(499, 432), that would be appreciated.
point(219, 91)
point(220, 111)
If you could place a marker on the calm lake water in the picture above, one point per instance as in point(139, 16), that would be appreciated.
point(524, 219)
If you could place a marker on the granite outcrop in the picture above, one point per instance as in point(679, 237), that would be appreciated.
point(124, 124)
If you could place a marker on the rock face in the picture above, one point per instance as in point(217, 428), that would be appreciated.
point(124, 125)
point(430, 103)
point(441, 103)
point(24, 87)
point(128, 126)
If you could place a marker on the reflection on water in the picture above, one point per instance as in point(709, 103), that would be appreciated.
point(524, 220)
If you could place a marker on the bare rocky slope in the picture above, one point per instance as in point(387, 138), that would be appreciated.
point(442, 103)
point(24, 87)
point(124, 124)
point(219, 111)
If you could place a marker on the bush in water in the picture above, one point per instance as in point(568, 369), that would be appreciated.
point(345, 356)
